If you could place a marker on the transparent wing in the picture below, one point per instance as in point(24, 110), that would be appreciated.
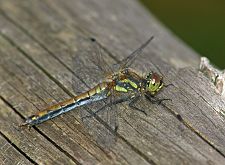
point(99, 60)
point(90, 67)
point(101, 122)
point(127, 61)
point(88, 62)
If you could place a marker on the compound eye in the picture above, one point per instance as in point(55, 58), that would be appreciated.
point(153, 82)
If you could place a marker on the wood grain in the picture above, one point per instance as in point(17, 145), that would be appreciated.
point(37, 44)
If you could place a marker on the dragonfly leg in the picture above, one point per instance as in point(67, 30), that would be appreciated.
point(156, 100)
point(25, 125)
point(167, 85)
point(106, 105)
point(133, 101)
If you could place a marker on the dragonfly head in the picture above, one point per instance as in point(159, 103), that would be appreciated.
point(154, 83)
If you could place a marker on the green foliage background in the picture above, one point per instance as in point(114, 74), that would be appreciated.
point(201, 24)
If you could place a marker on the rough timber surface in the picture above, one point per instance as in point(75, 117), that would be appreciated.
point(36, 67)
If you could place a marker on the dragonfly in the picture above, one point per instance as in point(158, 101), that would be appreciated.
point(122, 85)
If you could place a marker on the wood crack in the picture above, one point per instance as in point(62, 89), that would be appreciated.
point(199, 134)
point(9, 141)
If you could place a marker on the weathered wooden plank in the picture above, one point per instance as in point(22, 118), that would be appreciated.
point(114, 22)
point(165, 135)
point(200, 104)
point(73, 140)
point(9, 155)
point(40, 152)
point(37, 147)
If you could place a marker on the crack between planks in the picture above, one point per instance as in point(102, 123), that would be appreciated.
point(201, 96)
point(163, 134)
point(137, 151)
point(94, 144)
point(178, 146)
point(57, 146)
point(173, 142)
point(40, 132)
point(189, 126)
point(18, 149)
point(203, 100)
point(9, 141)
point(81, 143)
point(14, 88)
point(20, 114)
point(199, 107)
point(202, 112)
point(37, 65)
